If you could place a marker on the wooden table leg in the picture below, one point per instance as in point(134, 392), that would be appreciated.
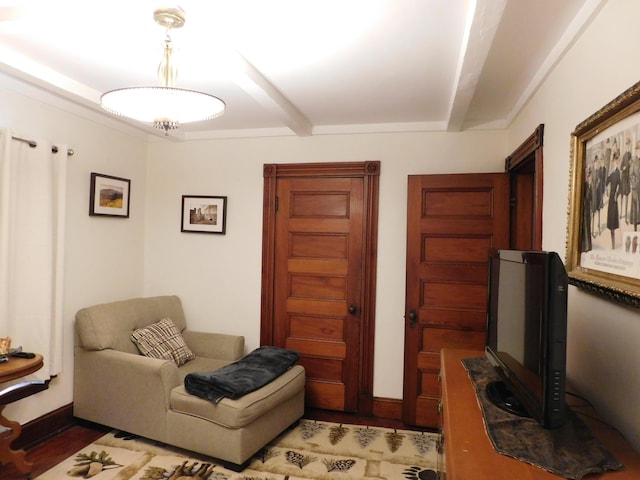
point(7, 454)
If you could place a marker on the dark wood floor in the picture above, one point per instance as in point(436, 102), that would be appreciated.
point(60, 446)
point(55, 449)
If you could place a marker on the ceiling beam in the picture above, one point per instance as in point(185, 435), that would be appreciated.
point(267, 95)
point(482, 22)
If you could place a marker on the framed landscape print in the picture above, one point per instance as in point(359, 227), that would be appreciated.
point(204, 214)
point(109, 196)
point(603, 246)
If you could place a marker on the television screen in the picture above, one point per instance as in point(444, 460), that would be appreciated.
point(526, 333)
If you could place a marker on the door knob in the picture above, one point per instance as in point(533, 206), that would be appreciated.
point(352, 309)
point(413, 318)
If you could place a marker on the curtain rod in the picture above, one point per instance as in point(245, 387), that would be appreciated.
point(34, 144)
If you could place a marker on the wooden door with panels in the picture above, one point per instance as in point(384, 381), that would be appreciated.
point(320, 230)
point(452, 222)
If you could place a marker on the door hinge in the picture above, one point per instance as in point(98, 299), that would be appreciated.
point(276, 204)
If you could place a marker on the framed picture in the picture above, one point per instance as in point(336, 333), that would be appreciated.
point(603, 238)
point(109, 196)
point(204, 214)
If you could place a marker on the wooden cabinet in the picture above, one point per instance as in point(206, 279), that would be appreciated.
point(468, 452)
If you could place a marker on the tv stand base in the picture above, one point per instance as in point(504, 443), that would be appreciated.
point(503, 398)
point(468, 452)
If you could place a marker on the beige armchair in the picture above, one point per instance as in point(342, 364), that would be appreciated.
point(115, 385)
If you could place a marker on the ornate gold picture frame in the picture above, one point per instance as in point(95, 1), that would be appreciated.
point(603, 228)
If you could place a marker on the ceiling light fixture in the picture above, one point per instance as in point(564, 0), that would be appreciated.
point(165, 106)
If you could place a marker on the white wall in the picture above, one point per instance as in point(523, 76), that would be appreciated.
point(218, 277)
point(104, 256)
point(603, 351)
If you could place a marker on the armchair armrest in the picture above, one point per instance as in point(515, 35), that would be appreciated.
point(123, 390)
point(215, 345)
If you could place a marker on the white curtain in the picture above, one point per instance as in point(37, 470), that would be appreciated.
point(32, 226)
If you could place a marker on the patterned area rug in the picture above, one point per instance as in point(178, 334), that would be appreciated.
point(311, 450)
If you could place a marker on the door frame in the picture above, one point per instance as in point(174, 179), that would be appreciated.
point(525, 168)
point(370, 172)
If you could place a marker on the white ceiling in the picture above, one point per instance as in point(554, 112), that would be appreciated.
point(304, 67)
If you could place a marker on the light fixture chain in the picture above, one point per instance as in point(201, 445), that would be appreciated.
point(167, 70)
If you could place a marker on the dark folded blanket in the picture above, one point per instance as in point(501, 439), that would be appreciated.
point(251, 372)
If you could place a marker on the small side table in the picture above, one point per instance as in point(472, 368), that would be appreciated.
point(12, 371)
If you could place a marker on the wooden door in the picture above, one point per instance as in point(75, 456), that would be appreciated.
point(316, 295)
point(452, 222)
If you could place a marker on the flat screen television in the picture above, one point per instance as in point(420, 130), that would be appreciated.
point(527, 334)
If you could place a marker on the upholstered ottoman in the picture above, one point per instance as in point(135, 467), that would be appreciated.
point(236, 429)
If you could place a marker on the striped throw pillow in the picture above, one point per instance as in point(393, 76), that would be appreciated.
point(162, 340)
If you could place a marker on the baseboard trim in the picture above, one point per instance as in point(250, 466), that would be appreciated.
point(390, 408)
point(46, 426)
point(51, 423)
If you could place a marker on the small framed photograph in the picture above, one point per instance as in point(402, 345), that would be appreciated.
point(109, 196)
point(204, 214)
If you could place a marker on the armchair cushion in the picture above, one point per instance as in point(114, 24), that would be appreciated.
point(162, 340)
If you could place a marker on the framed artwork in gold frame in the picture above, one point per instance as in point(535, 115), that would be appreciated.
point(603, 227)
